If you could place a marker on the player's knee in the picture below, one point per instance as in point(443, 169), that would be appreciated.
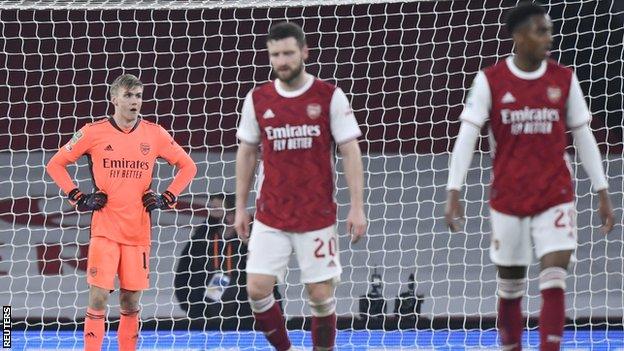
point(129, 300)
point(257, 292)
point(552, 277)
point(262, 304)
point(320, 291)
point(258, 288)
point(323, 308)
point(98, 303)
point(511, 288)
point(98, 298)
point(129, 306)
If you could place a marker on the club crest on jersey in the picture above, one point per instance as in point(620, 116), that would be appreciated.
point(145, 148)
point(554, 94)
point(314, 110)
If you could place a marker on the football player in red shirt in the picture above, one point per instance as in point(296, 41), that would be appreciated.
point(296, 119)
point(530, 102)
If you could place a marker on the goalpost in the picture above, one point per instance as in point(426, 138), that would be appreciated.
point(406, 68)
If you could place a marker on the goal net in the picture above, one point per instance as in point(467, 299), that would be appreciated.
point(406, 68)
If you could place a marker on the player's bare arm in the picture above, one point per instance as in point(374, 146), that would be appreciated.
point(453, 211)
point(246, 158)
point(605, 210)
point(352, 162)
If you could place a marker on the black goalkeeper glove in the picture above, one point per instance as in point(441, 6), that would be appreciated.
point(87, 202)
point(164, 201)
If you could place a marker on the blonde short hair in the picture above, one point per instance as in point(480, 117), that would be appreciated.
point(127, 81)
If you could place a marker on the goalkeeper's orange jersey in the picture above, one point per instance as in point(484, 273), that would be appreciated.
point(122, 163)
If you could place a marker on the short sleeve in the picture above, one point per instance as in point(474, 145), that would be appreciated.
point(479, 102)
point(577, 112)
point(79, 144)
point(343, 125)
point(168, 148)
point(248, 129)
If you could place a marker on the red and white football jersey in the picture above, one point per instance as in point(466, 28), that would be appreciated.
point(297, 131)
point(528, 114)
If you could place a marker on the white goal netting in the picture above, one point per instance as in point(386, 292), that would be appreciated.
point(405, 67)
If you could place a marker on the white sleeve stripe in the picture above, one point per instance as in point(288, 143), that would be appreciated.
point(342, 122)
point(478, 104)
point(577, 111)
point(248, 128)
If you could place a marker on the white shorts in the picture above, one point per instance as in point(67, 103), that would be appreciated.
point(550, 231)
point(317, 253)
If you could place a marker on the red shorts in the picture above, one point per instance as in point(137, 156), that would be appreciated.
point(108, 258)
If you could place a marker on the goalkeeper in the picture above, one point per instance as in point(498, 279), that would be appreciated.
point(121, 151)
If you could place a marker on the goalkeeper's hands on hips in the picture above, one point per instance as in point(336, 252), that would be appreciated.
point(87, 202)
point(164, 201)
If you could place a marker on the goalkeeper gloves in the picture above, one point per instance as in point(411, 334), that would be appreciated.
point(164, 201)
point(87, 202)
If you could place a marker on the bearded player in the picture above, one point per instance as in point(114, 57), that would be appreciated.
point(296, 119)
point(530, 102)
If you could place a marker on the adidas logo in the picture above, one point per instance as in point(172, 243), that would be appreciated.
point(508, 98)
point(331, 264)
point(89, 335)
point(108, 148)
point(268, 114)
